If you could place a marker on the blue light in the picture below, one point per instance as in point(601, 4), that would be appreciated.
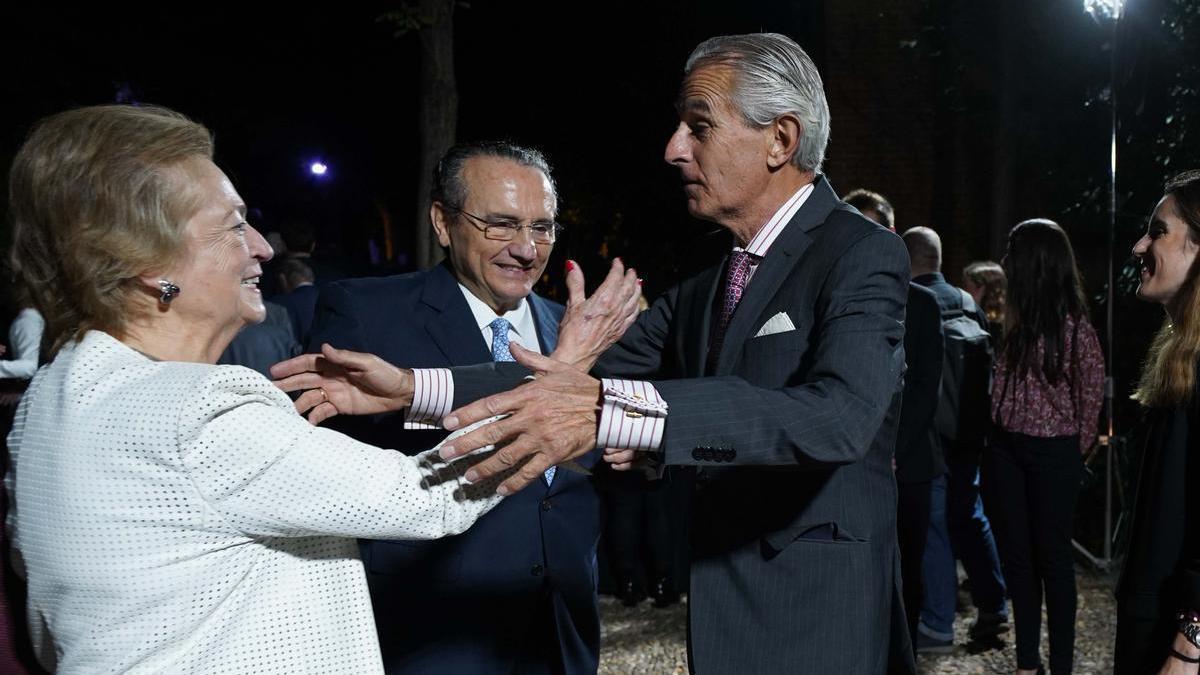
point(318, 168)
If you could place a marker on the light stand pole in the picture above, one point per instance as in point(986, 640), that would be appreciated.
point(1108, 11)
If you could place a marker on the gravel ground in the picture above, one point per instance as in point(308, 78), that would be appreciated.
point(643, 639)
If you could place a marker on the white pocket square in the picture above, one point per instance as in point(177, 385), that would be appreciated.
point(780, 323)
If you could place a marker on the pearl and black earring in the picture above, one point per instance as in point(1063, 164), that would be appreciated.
point(169, 291)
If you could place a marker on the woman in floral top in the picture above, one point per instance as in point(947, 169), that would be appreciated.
point(1045, 404)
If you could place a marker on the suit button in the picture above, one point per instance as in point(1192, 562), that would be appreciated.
point(546, 505)
point(537, 570)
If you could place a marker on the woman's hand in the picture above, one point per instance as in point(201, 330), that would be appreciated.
point(342, 382)
point(1175, 666)
point(592, 325)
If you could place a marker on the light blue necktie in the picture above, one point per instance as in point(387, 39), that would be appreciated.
point(500, 352)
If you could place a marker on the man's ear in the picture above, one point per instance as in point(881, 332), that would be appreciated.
point(786, 132)
point(441, 223)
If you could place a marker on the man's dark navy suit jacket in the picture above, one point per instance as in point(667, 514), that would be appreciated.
point(517, 592)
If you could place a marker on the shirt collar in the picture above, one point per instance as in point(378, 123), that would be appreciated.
point(770, 232)
point(484, 315)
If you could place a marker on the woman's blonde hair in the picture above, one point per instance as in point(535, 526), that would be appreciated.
point(97, 198)
point(1169, 373)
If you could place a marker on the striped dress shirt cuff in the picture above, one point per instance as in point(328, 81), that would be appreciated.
point(433, 396)
point(632, 417)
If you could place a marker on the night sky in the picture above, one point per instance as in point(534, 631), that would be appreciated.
point(591, 85)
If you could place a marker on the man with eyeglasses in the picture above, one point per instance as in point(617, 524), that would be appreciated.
point(517, 592)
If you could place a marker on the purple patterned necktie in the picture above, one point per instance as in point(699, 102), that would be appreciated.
point(737, 272)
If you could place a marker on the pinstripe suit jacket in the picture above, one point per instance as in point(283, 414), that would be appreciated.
point(794, 546)
point(792, 436)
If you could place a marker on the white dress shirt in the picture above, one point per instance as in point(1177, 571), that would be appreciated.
point(183, 518)
point(523, 331)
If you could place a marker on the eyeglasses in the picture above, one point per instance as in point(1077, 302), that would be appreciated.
point(503, 229)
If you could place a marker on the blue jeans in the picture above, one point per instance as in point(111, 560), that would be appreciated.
point(959, 528)
point(970, 532)
point(937, 569)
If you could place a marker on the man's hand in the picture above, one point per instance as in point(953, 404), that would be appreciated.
point(620, 460)
point(592, 325)
point(552, 419)
point(342, 382)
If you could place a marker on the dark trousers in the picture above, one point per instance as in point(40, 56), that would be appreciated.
point(1030, 487)
point(643, 516)
point(912, 525)
point(970, 531)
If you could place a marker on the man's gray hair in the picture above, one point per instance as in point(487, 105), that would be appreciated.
point(773, 77)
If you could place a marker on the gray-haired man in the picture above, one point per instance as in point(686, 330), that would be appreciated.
point(776, 373)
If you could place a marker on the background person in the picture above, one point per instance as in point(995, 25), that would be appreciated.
point(918, 455)
point(1045, 405)
point(986, 283)
point(24, 350)
point(298, 295)
point(959, 527)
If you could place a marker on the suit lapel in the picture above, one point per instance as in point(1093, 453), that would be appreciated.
point(781, 259)
point(546, 322)
point(698, 303)
point(453, 330)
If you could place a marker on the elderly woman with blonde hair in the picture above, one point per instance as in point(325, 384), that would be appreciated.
point(173, 515)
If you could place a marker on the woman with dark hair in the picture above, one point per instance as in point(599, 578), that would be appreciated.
point(1045, 404)
point(1158, 597)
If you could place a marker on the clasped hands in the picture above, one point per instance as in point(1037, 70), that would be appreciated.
point(550, 420)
